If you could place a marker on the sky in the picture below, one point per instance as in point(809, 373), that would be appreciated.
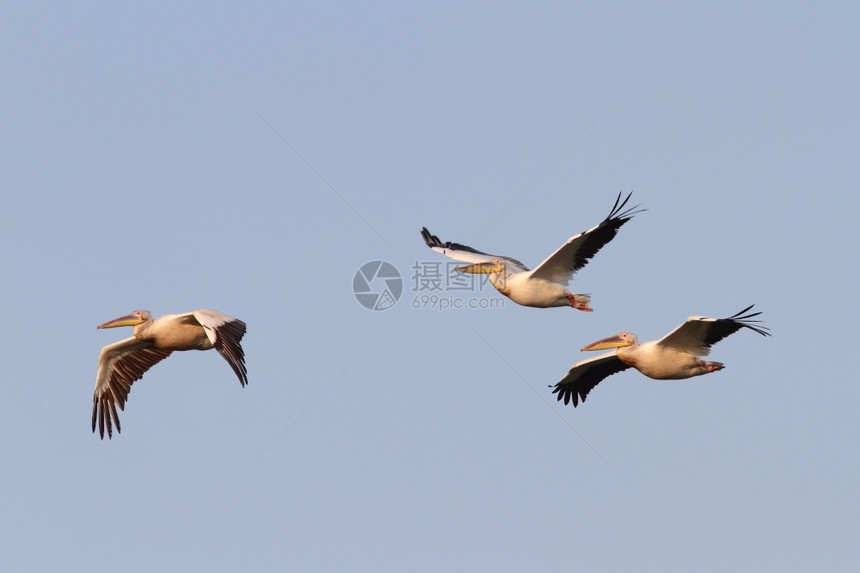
point(253, 157)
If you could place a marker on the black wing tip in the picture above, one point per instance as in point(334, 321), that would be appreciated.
point(243, 328)
point(430, 239)
point(104, 420)
point(228, 343)
point(618, 215)
point(98, 416)
point(745, 319)
point(243, 379)
point(237, 363)
point(567, 395)
point(104, 412)
point(435, 242)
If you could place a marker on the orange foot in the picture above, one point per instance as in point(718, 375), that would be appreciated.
point(711, 366)
point(583, 306)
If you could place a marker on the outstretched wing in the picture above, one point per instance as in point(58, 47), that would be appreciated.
point(121, 364)
point(699, 333)
point(579, 249)
point(463, 253)
point(585, 375)
point(225, 333)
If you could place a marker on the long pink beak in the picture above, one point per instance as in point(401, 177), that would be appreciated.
point(127, 320)
point(611, 342)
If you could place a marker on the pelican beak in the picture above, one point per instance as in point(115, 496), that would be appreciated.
point(611, 342)
point(481, 269)
point(127, 320)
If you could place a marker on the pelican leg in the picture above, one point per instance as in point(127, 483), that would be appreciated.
point(711, 366)
point(579, 302)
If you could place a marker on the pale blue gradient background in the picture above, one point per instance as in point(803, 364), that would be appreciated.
point(139, 170)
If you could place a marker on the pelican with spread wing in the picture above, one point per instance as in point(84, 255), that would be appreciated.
point(544, 286)
point(124, 362)
point(676, 356)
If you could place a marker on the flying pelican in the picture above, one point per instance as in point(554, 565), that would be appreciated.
point(674, 357)
point(542, 287)
point(124, 362)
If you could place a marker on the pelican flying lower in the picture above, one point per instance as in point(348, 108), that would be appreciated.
point(676, 356)
point(124, 362)
point(544, 286)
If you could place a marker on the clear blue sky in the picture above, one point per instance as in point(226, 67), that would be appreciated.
point(251, 157)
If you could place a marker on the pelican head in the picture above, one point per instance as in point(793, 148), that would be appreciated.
point(485, 268)
point(133, 319)
point(619, 340)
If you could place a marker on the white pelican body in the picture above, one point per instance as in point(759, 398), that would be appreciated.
point(676, 356)
point(659, 361)
point(124, 362)
point(544, 286)
point(528, 290)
